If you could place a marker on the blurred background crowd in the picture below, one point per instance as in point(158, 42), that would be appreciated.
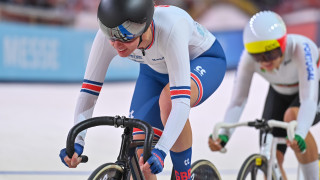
point(54, 12)
point(41, 35)
point(79, 13)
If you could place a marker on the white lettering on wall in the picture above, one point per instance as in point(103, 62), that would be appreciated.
point(30, 52)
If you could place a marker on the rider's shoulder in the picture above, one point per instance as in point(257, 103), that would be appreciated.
point(166, 15)
point(298, 40)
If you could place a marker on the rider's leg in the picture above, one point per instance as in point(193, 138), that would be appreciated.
point(181, 150)
point(280, 159)
point(309, 159)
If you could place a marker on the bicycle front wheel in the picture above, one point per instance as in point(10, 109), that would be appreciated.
point(204, 170)
point(108, 171)
point(255, 167)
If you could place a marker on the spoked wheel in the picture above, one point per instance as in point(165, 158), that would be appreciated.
point(255, 167)
point(108, 171)
point(204, 170)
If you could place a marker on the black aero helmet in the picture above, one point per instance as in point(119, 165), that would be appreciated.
point(125, 19)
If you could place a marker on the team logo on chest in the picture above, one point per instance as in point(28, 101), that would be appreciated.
point(136, 58)
point(158, 59)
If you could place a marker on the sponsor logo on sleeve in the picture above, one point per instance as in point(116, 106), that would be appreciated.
point(308, 59)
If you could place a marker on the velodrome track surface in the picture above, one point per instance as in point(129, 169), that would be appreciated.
point(35, 119)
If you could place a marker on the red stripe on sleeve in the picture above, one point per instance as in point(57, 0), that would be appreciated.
point(177, 92)
point(91, 87)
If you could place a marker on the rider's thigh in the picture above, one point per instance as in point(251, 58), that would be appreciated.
point(291, 114)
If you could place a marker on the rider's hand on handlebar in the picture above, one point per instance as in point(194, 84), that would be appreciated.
point(75, 160)
point(298, 144)
point(155, 163)
point(217, 145)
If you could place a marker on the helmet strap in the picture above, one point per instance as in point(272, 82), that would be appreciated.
point(140, 41)
point(142, 49)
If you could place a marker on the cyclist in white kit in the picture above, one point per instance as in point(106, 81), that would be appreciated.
point(290, 63)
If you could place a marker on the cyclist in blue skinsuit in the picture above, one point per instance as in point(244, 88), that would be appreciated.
point(181, 65)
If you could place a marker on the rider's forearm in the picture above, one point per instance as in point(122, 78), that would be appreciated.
point(306, 117)
point(232, 115)
point(175, 123)
point(84, 110)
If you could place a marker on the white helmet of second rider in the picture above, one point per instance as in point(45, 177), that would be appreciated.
point(264, 32)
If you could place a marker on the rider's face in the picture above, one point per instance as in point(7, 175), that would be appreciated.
point(124, 49)
point(269, 60)
point(270, 65)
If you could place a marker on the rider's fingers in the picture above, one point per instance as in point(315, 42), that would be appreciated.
point(214, 148)
point(75, 160)
point(143, 166)
point(146, 167)
point(215, 145)
point(288, 143)
point(294, 145)
point(211, 141)
point(141, 162)
point(217, 140)
point(291, 142)
point(67, 160)
point(79, 160)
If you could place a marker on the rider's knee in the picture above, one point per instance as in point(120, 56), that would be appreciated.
point(291, 114)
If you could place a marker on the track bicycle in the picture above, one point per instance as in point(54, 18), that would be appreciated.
point(264, 164)
point(127, 164)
